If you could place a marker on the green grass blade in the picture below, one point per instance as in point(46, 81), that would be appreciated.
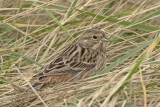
point(152, 84)
point(125, 57)
point(73, 22)
point(71, 8)
point(136, 67)
point(149, 15)
point(156, 62)
point(124, 23)
point(5, 27)
point(55, 19)
point(60, 25)
point(3, 81)
point(25, 57)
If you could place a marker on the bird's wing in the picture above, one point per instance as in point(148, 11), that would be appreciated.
point(72, 60)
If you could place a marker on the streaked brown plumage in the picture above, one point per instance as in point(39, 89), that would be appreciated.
point(77, 61)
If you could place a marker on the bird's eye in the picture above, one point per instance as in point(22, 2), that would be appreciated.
point(94, 37)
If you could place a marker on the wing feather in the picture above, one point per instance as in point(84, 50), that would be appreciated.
point(72, 60)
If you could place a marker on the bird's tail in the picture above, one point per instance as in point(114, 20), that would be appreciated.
point(37, 85)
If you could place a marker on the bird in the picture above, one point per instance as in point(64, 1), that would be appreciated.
point(79, 60)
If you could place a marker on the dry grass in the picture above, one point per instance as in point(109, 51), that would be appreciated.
point(33, 32)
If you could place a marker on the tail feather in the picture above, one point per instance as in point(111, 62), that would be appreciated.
point(38, 84)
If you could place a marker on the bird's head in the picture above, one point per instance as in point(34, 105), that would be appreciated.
point(94, 39)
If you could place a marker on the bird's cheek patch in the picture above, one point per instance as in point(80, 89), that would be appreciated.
point(85, 40)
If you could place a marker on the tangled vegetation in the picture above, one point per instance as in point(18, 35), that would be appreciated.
point(33, 32)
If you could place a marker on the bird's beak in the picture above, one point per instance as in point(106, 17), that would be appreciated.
point(105, 39)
